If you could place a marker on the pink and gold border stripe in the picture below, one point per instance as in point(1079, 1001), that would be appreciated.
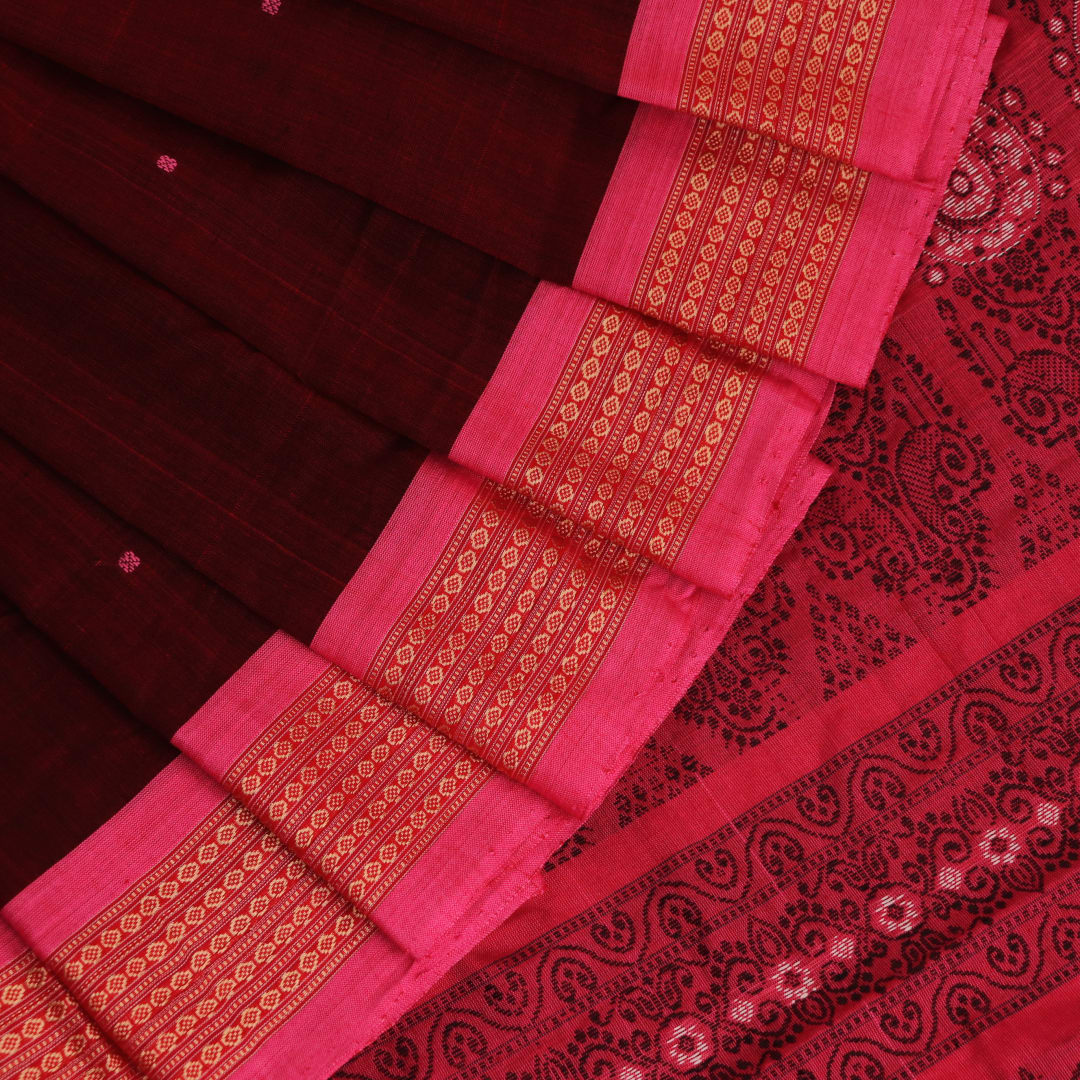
point(865, 83)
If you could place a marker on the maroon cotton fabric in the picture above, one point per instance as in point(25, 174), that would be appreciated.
point(503, 157)
point(582, 41)
point(182, 430)
point(362, 305)
point(78, 760)
point(158, 639)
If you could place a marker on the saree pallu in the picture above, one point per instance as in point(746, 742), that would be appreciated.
point(617, 326)
point(852, 850)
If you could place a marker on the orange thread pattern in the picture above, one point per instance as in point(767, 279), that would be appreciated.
point(192, 968)
point(749, 243)
point(637, 431)
point(506, 634)
point(798, 70)
point(504, 637)
point(212, 951)
point(356, 786)
point(46, 1034)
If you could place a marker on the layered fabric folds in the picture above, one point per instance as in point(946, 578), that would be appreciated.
point(852, 849)
point(395, 421)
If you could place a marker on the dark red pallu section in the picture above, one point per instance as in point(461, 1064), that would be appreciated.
point(852, 850)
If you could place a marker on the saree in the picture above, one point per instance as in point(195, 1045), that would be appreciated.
point(391, 441)
point(851, 850)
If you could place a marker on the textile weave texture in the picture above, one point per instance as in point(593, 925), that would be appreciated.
point(420, 417)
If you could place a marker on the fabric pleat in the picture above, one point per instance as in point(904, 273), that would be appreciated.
point(362, 305)
point(774, 68)
point(505, 158)
point(181, 429)
point(71, 765)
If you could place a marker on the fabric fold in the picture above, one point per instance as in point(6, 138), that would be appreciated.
point(864, 83)
point(731, 234)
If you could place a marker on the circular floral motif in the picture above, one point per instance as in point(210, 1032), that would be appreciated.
point(685, 1042)
point(895, 911)
point(999, 845)
point(993, 196)
point(794, 981)
point(129, 562)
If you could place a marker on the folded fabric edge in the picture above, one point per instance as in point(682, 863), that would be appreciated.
point(883, 252)
point(766, 250)
point(97, 898)
point(877, 114)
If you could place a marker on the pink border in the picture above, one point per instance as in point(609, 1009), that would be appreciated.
point(783, 420)
point(266, 684)
point(11, 945)
point(633, 203)
point(658, 51)
point(787, 413)
point(319, 1035)
point(397, 564)
point(922, 60)
point(528, 372)
point(103, 867)
point(956, 111)
point(466, 856)
point(887, 238)
point(456, 872)
point(915, 72)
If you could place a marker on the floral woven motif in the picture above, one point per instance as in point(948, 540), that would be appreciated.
point(798, 70)
point(189, 971)
point(749, 242)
